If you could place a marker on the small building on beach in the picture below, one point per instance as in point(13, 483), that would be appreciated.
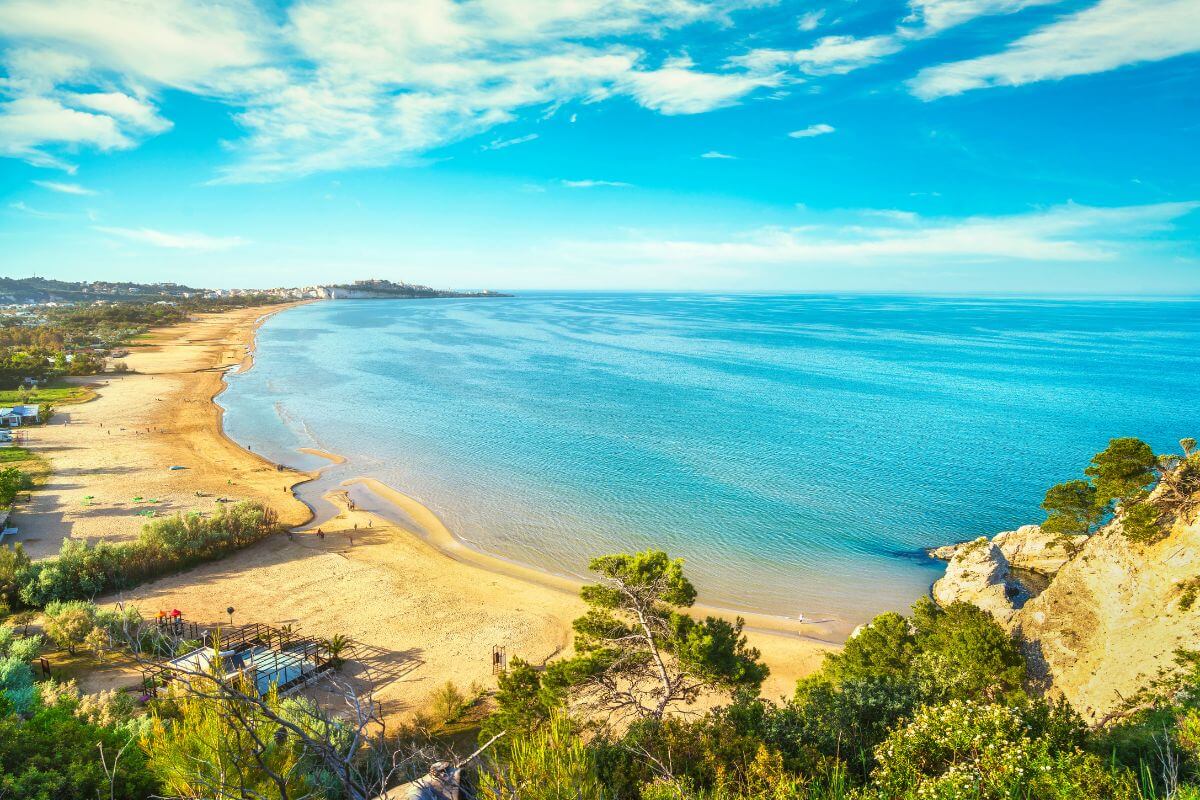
point(16, 416)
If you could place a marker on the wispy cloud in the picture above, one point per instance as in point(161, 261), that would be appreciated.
point(820, 129)
point(1067, 233)
point(64, 188)
point(20, 206)
point(716, 154)
point(810, 20)
point(838, 55)
point(592, 184)
point(174, 241)
point(500, 144)
point(1109, 35)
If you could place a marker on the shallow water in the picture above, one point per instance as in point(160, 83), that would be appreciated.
point(798, 451)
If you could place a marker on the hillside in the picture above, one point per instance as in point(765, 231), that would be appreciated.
point(1117, 607)
point(46, 290)
point(383, 289)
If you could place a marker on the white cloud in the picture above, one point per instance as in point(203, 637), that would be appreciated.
point(178, 43)
point(500, 144)
point(716, 154)
point(27, 124)
point(329, 84)
point(174, 241)
point(831, 55)
point(810, 20)
point(592, 184)
point(64, 188)
point(1109, 35)
point(1067, 233)
point(679, 90)
point(136, 114)
point(820, 129)
point(937, 15)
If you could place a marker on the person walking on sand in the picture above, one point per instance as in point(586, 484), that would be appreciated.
point(320, 534)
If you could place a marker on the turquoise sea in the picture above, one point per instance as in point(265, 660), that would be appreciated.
point(798, 451)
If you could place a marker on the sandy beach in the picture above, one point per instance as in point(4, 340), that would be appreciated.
point(428, 608)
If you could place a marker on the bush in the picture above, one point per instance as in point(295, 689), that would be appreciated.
point(54, 755)
point(986, 751)
point(12, 481)
point(964, 654)
point(525, 700)
point(942, 653)
point(68, 622)
point(82, 572)
point(553, 763)
point(227, 748)
point(449, 704)
point(13, 564)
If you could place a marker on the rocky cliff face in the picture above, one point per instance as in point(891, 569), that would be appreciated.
point(1110, 619)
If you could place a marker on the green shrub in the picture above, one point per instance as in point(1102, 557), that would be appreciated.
point(82, 572)
point(68, 622)
point(552, 763)
point(991, 752)
point(1142, 523)
point(54, 755)
point(449, 703)
point(12, 481)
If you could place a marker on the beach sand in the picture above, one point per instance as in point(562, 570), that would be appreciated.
point(428, 609)
point(122, 445)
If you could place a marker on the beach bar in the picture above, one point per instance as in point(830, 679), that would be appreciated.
point(266, 657)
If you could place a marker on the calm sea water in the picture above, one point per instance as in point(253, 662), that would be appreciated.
point(798, 451)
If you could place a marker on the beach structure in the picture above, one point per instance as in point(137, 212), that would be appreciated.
point(264, 656)
point(16, 416)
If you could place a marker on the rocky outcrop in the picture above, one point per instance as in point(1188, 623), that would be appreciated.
point(1110, 618)
point(978, 573)
point(1028, 547)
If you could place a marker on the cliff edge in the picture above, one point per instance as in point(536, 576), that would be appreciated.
point(1115, 609)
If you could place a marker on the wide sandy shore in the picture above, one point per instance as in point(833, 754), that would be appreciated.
point(429, 609)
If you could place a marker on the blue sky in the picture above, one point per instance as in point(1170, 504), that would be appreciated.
point(1024, 146)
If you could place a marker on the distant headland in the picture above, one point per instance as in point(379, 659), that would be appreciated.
point(373, 289)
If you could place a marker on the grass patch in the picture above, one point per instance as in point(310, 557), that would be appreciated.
point(56, 395)
point(32, 464)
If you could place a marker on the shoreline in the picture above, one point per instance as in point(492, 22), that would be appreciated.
point(427, 614)
point(443, 540)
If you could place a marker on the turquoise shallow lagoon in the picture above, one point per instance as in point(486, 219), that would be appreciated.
point(798, 451)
